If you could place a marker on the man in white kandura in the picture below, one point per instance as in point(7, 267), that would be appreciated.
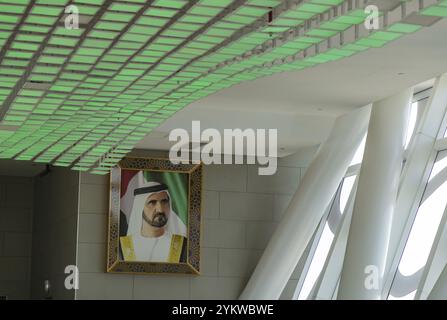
point(155, 233)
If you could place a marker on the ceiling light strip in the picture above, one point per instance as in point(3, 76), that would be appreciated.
point(299, 2)
point(175, 18)
point(326, 8)
point(91, 25)
point(7, 45)
point(37, 145)
point(217, 18)
point(22, 80)
point(394, 28)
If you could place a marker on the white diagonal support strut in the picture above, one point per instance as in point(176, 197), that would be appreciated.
point(369, 233)
point(308, 205)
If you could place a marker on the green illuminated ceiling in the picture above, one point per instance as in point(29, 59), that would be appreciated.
point(83, 98)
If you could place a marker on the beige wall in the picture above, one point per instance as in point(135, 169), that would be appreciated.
point(16, 202)
point(54, 231)
point(241, 210)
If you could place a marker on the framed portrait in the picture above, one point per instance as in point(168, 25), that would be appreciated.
point(154, 217)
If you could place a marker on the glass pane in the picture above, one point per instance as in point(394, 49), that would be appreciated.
point(441, 164)
point(423, 232)
point(358, 157)
point(412, 124)
point(348, 184)
point(317, 263)
point(409, 296)
point(332, 224)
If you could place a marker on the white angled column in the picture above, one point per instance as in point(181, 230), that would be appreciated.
point(307, 207)
point(369, 233)
point(439, 291)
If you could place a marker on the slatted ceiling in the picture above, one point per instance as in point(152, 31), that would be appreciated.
point(320, 33)
point(439, 10)
point(135, 63)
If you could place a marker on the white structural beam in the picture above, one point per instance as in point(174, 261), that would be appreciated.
point(441, 144)
point(307, 207)
point(415, 175)
point(439, 291)
point(370, 228)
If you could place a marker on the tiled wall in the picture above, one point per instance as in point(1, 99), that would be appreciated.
point(16, 203)
point(241, 210)
point(54, 231)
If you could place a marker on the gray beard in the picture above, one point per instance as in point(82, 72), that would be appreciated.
point(159, 220)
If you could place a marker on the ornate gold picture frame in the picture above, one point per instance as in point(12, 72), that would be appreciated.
point(154, 217)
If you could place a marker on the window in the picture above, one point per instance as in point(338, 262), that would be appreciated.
point(358, 157)
point(317, 264)
point(423, 233)
point(339, 208)
point(420, 237)
point(412, 123)
point(325, 242)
